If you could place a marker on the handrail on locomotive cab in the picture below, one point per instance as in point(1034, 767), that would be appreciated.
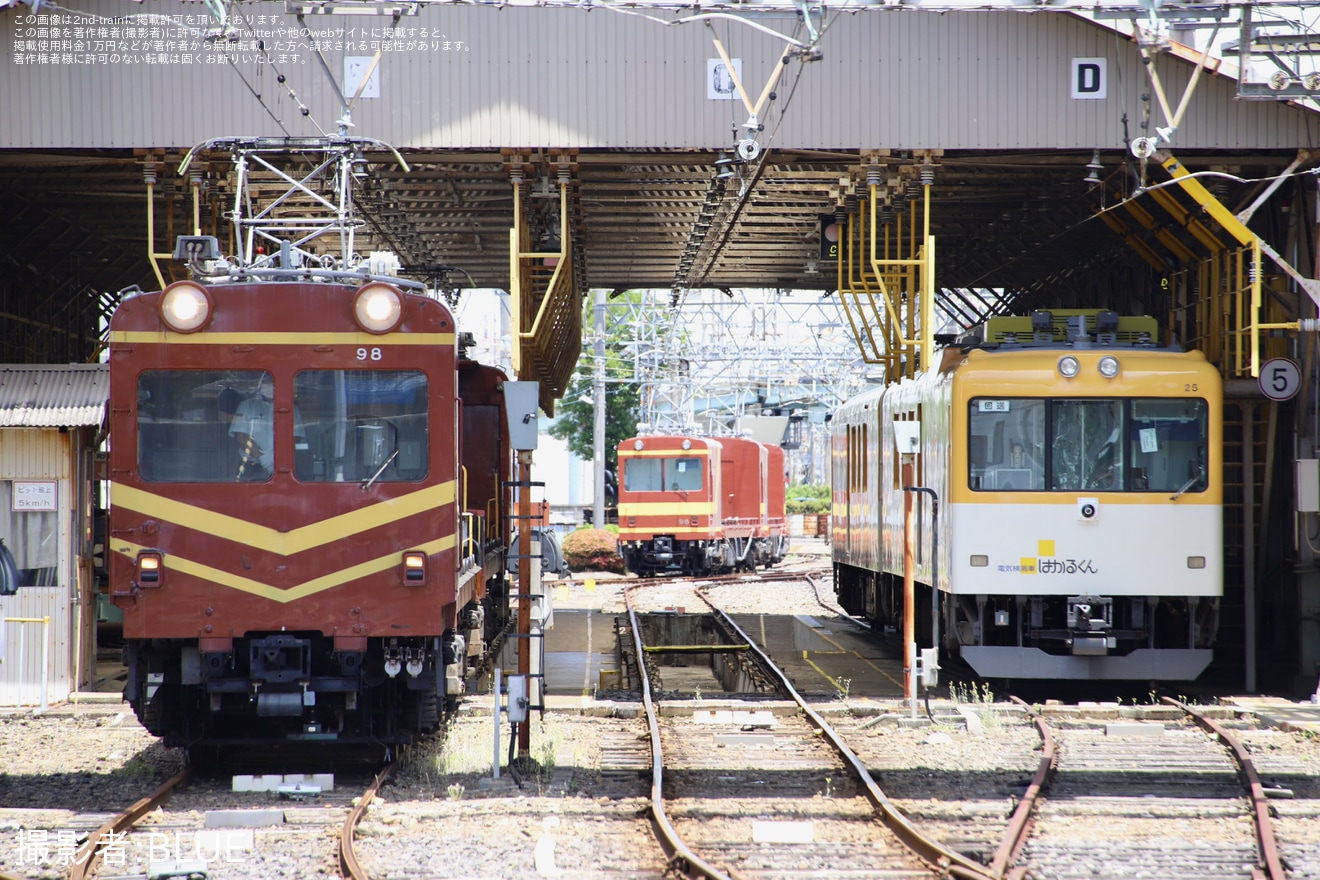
point(473, 524)
point(492, 511)
point(472, 535)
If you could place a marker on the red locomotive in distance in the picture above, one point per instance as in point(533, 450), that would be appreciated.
point(700, 505)
point(307, 507)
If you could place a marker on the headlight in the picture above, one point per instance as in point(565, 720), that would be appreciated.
point(149, 566)
point(185, 306)
point(414, 567)
point(1109, 366)
point(1068, 366)
point(378, 307)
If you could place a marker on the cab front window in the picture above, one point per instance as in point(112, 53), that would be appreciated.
point(188, 423)
point(361, 425)
point(678, 474)
point(1088, 444)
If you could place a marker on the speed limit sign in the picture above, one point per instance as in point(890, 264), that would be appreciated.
point(1280, 379)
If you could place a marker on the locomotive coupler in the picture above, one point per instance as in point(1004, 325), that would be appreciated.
point(1090, 619)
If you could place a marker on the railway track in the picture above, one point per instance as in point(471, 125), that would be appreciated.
point(761, 786)
point(764, 795)
point(1175, 799)
point(193, 827)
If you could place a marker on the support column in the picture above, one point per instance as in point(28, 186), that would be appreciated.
point(598, 412)
point(524, 584)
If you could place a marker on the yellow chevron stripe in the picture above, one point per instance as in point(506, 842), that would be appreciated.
point(266, 538)
point(129, 337)
point(298, 591)
point(667, 508)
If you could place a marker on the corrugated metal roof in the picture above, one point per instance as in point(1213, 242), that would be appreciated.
point(53, 395)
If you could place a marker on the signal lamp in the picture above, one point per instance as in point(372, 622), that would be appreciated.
point(1109, 366)
point(414, 567)
point(149, 565)
point(1068, 366)
point(185, 306)
point(378, 307)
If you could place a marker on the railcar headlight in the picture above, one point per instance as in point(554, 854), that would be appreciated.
point(1068, 366)
point(637, 444)
point(378, 307)
point(149, 566)
point(414, 567)
point(687, 444)
point(185, 306)
point(1196, 562)
point(1109, 366)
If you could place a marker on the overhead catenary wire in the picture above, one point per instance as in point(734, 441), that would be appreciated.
point(280, 78)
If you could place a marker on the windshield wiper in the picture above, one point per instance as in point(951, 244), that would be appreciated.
point(1192, 481)
point(366, 484)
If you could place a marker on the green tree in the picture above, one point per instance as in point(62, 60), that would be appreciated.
point(574, 414)
point(807, 499)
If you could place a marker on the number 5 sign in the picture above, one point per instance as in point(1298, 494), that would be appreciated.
point(1280, 379)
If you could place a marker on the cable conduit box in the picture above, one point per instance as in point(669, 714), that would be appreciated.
point(520, 404)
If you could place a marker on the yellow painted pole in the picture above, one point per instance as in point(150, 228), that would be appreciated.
point(515, 281)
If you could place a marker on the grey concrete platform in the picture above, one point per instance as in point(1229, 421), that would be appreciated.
point(1280, 713)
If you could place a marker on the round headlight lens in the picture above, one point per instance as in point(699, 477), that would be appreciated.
point(1109, 366)
point(637, 444)
point(185, 306)
point(378, 308)
point(687, 444)
point(1068, 366)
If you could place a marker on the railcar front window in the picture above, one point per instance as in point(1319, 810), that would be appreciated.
point(684, 474)
point(642, 475)
point(1087, 445)
point(1167, 445)
point(361, 425)
point(661, 474)
point(1007, 448)
point(185, 420)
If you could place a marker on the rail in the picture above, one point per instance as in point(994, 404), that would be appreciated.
point(951, 863)
point(1266, 846)
point(115, 828)
point(348, 863)
point(678, 854)
point(1019, 826)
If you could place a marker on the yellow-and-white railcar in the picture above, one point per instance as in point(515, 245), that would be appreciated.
point(1077, 512)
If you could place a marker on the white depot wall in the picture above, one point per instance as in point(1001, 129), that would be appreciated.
point(568, 479)
point(118, 74)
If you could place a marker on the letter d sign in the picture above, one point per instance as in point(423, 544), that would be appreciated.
point(1088, 79)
